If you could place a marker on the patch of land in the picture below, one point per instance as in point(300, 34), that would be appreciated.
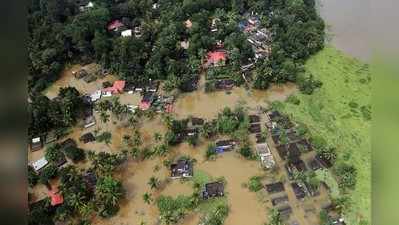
point(335, 112)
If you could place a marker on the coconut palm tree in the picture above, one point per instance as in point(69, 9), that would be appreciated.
point(147, 198)
point(108, 191)
point(104, 117)
point(153, 182)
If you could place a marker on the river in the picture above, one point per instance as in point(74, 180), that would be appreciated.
point(348, 23)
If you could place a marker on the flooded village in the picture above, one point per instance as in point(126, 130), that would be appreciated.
point(294, 201)
point(217, 153)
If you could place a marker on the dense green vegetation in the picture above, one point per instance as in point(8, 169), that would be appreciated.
point(335, 117)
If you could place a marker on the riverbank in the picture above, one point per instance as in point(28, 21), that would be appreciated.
point(337, 112)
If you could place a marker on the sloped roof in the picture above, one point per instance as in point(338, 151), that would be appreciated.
point(56, 197)
point(216, 56)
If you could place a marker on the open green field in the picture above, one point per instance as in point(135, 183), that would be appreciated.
point(339, 112)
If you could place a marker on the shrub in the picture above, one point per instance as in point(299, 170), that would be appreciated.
point(53, 153)
point(246, 152)
point(255, 184)
point(172, 210)
point(210, 152)
point(104, 137)
point(307, 84)
point(217, 216)
point(347, 175)
point(75, 154)
point(49, 172)
point(293, 100)
point(108, 193)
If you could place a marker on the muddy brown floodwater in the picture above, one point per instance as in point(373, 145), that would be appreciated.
point(208, 105)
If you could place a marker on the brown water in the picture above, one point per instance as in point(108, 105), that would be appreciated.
point(208, 105)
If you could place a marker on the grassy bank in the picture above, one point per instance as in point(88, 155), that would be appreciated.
point(339, 112)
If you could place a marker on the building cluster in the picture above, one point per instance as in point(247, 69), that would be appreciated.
point(259, 36)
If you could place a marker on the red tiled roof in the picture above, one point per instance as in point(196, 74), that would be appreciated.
point(114, 25)
point(216, 56)
point(144, 105)
point(117, 87)
point(56, 197)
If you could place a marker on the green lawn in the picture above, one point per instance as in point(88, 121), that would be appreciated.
point(337, 112)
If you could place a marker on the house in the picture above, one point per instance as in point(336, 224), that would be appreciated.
point(87, 137)
point(216, 58)
point(129, 87)
point(96, 95)
point(116, 88)
point(314, 164)
point(146, 101)
point(36, 144)
point(55, 197)
point(80, 74)
point(89, 78)
point(214, 24)
point(39, 164)
point(224, 145)
point(51, 137)
point(275, 187)
point(115, 25)
point(280, 200)
point(137, 32)
point(225, 84)
point(214, 189)
point(152, 86)
point(284, 211)
point(265, 155)
point(197, 122)
point(89, 121)
point(254, 128)
point(254, 119)
point(188, 24)
point(126, 33)
point(185, 44)
point(68, 143)
point(84, 6)
point(181, 169)
point(299, 190)
point(90, 179)
point(260, 138)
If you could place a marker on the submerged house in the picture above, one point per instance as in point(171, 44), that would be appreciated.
point(36, 144)
point(299, 190)
point(225, 84)
point(275, 187)
point(212, 190)
point(87, 137)
point(266, 157)
point(224, 145)
point(181, 169)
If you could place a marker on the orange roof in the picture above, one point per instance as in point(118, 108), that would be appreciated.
point(56, 197)
point(119, 85)
point(216, 56)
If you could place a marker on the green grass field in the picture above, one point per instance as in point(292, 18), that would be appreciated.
point(339, 112)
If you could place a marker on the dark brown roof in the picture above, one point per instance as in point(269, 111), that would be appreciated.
point(255, 128)
point(68, 143)
point(254, 119)
point(214, 188)
point(87, 137)
point(275, 187)
point(298, 190)
point(197, 121)
point(280, 200)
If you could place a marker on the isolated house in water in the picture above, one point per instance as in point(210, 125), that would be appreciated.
point(275, 187)
point(215, 189)
point(181, 169)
